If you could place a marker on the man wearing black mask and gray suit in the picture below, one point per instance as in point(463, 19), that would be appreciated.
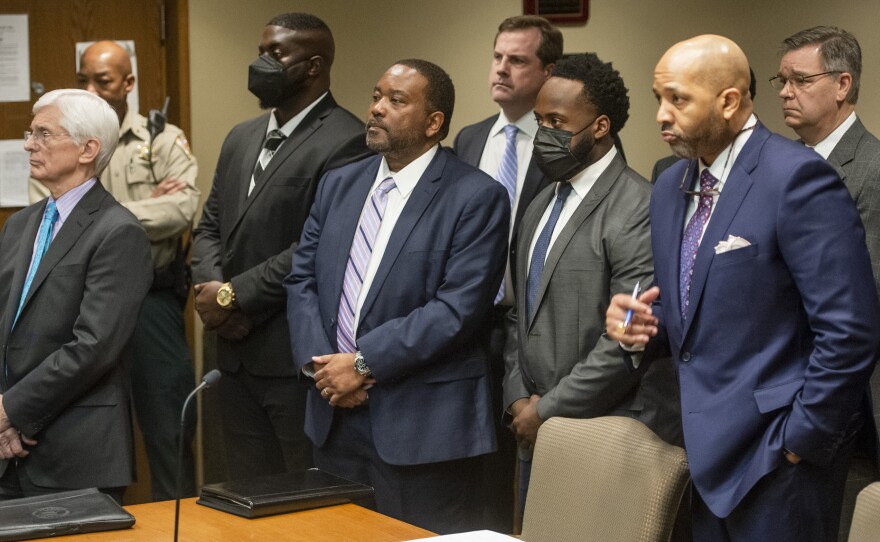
point(263, 188)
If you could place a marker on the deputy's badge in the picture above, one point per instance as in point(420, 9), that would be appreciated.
point(184, 146)
point(144, 153)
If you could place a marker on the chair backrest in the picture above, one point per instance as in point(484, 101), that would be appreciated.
point(866, 518)
point(609, 479)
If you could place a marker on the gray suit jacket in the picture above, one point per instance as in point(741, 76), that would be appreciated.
point(857, 159)
point(563, 354)
point(63, 381)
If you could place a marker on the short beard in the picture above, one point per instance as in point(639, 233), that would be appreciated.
point(711, 137)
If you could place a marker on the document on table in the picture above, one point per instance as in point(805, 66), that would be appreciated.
point(473, 536)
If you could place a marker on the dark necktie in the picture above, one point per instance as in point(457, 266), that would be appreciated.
point(690, 241)
point(358, 261)
point(44, 237)
point(274, 139)
point(542, 245)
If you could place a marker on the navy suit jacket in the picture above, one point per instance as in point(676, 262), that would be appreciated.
point(419, 325)
point(469, 145)
point(780, 336)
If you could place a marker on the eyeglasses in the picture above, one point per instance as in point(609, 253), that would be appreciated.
point(40, 136)
point(797, 81)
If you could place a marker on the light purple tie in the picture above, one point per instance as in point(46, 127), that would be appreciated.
point(358, 260)
point(506, 175)
point(690, 242)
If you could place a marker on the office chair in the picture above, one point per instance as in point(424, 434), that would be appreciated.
point(609, 479)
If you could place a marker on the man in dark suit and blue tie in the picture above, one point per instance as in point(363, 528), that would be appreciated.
point(76, 267)
point(395, 275)
point(525, 50)
point(768, 308)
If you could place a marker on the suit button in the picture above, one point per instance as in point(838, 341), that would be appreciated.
point(229, 254)
point(685, 356)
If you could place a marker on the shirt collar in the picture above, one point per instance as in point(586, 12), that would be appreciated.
point(291, 125)
point(406, 179)
point(826, 146)
point(526, 124)
point(130, 124)
point(584, 181)
point(720, 168)
point(68, 200)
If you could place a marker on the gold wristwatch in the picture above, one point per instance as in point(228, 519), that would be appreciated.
point(226, 295)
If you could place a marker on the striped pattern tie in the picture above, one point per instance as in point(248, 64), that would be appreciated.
point(44, 237)
point(506, 175)
point(274, 139)
point(358, 260)
point(690, 241)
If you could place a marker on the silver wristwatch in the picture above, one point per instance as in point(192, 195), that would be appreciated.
point(360, 365)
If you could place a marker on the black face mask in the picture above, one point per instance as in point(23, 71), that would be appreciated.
point(553, 154)
point(268, 80)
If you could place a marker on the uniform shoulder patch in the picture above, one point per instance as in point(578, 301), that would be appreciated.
point(181, 142)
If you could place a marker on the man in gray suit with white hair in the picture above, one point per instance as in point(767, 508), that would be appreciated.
point(76, 267)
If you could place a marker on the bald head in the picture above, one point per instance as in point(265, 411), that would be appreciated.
point(105, 70)
point(702, 86)
point(713, 61)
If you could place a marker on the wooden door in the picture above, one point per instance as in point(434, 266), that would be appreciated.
point(159, 30)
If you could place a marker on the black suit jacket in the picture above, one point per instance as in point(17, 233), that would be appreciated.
point(249, 240)
point(66, 386)
point(469, 145)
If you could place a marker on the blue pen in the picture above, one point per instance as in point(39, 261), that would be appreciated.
point(629, 313)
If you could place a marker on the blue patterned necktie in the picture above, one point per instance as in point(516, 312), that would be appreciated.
point(44, 237)
point(506, 175)
point(690, 241)
point(358, 261)
point(542, 245)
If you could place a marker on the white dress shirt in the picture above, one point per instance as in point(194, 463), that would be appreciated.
point(826, 146)
point(405, 181)
point(493, 152)
point(287, 129)
point(581, 185)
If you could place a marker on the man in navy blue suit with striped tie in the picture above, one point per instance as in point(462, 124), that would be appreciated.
point(386, 304)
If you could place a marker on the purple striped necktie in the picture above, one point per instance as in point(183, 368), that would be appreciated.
point(506, 175)
point(358, 260)
point(690, 241)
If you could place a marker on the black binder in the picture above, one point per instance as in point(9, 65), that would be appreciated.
point(282, 493)
point(57, 514)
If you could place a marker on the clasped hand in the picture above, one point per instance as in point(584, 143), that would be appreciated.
point(339, 382)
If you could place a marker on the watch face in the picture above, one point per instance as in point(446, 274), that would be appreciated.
point(224, 296)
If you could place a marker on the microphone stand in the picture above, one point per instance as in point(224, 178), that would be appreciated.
point(207, 381)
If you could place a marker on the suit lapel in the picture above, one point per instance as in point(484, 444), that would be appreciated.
point(532, 184)
point(677, 226)
point(845, 150)
point(253, 146)
point(76, 223)
point(528, 229)
point(345, 222)
point(415, 207)
point(737, 185)
point(472, 151)
point(23, 260)
point(594, 197)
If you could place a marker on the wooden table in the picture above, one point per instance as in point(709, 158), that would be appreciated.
point(348, 522)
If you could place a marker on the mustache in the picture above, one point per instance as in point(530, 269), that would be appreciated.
point(375, 123)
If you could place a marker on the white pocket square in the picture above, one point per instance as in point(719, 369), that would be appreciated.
point(732, 243)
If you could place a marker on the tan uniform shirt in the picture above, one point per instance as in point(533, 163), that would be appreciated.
point(128, 178)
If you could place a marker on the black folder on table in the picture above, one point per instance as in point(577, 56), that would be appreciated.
point(282, 493)
point(57, 514)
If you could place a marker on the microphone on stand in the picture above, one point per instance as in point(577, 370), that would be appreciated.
point(207, 381)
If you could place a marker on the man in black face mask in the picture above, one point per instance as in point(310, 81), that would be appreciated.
point(263, 188)
point(583, 239)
